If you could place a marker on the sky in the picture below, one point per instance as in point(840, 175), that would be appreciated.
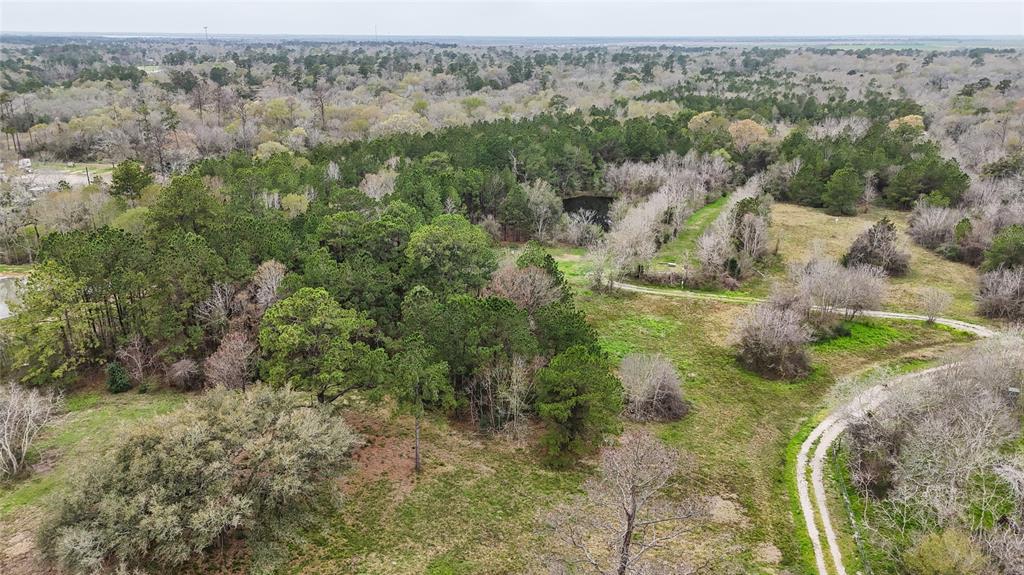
point(543, 18)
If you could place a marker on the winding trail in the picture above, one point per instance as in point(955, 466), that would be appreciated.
point(811, 493)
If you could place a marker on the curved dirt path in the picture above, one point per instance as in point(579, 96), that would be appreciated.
point(825, 433)
point(821, 439)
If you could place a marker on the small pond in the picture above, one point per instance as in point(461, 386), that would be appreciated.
point(598, 204)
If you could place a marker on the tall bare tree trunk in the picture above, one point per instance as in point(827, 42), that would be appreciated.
point(627, 540)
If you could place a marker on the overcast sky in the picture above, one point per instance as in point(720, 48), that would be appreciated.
point(521, 18)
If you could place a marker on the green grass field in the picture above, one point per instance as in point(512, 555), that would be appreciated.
point(741, 423)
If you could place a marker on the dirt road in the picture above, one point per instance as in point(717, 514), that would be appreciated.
point(811, 492)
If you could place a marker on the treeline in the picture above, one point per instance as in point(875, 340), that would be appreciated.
point(789, 105)
point(888, 163)
point(193, 278)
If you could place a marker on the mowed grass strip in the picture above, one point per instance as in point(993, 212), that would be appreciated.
point(680, 249)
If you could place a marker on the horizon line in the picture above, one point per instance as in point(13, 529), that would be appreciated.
point(567, 36)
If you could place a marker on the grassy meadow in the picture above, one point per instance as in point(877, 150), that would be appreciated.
point(801, 230)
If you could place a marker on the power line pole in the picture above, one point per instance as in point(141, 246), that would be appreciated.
point(207, 33)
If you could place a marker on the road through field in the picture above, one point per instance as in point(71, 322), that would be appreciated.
point(813, 503)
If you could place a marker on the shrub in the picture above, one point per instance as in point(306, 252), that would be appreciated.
point(948, 552)
point(771, 341)
point(1001, 294)
point(171, 487)
point(652, 388)
point(579, 399)
point(879, 246)
point(1007, 249)
point(183, 373)
point(933, 226)
point(934, 302)
point(117, 378)
point(23, 414)
point(837, 290)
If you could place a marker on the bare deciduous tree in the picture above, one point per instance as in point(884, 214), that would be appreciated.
point(632, 241)
point(581, 228)
point(530, 288)
point(1001, 293)
point(23, 414)
point(545, 206)
point(771, 341)
point(229, 365)
point(738, 238)
point(934, 302)
point(136, 357)
point(932, 450)
point(751, 237)
point(215, 311)
point(932, 226)
point(852, 126)
point(655, 200)
point(380, 184)
point(266, 281)
point(652, 388)
point(617, 528)
point(333, 173)
point(501, 393)
point(513, 397)
point(1006, 546)
point(714, 248)
point(836, 290)
point(602, 268)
